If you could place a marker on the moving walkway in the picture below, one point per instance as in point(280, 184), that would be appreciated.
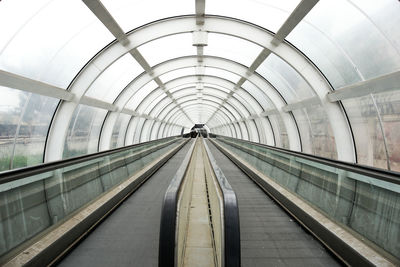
point(169, 201)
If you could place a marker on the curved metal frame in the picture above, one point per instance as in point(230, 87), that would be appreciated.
point(214, 24)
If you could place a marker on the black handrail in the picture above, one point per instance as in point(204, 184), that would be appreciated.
point(231, 215)
point(167, 242)
point(380, 174)
point(15, 174)
point(166, 252)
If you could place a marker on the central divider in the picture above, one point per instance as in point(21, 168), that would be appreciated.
point(200, 218)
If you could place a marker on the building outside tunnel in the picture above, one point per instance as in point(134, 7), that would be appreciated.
point(317, 77)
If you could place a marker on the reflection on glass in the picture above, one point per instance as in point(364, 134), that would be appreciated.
point(114, 79)
point(330, 36)
point(24, 122)
point(83, 131)
point(169, 47)
point(236, 49)
point(119, 131)
point(58, 45)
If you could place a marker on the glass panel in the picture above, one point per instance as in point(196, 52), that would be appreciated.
point(159, 107)
point(253, 132)
point(139, 126)
point(222, 74)
point(368, 132)
point(232, 48)
point(164, 111)
point(148, 99)
point(238, 131)
point(245, 134)
point(149, 106)
point(114, 79)
point(304, 126)
point(231, 112)
point(139, 95)
point(281, 137)
point(323, 141)
point(212, 98)
point(285, 79)
point(336, 47)
point(182, 86)
point(83, 131)
point(185, 92)
point(145, 135)
point(211, 91)
point(269, 14)
point(154, 132)
point(217, 86)
point(177, 74)
point(12, 103)
point(239, 106)
point(389, 109)
point(41, 41)
point(186, 98)
point(24, 123)
point(244, 98)
point(119, 131)
point(166, 48)
point(131, 14)
point(261, 98)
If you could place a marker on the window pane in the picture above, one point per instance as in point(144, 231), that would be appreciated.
point(139, 95)
point(211, 91)
point(367, 131)
point(114, 79)
point(149, 105)
point(217, 86)
point(119, 131)
point(24, 123)
point(232, 48)
point(222, 74)
point(270, 14)
point(84, 130)
point(132, 14)
point(39, 40)
point(285, 79)
point(159, 107)
point(261, 97)
point(185, 92)
point(330, 36)
point(176, 74)
point(166, 48)
point(182, 86)
point(389, 109)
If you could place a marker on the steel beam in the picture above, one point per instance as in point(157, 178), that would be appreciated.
point(15, 81)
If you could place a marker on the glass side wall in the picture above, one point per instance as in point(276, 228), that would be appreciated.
point(30, 205)
point(364, 204)
point(24, 123)
point(83, 131)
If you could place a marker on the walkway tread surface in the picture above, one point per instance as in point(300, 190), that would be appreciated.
point(130, 235)
point(269, 236)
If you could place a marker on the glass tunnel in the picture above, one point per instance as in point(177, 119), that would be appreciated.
point(324, 82)
point(310, 88)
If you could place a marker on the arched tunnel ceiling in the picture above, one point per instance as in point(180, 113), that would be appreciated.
point(286, 73)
